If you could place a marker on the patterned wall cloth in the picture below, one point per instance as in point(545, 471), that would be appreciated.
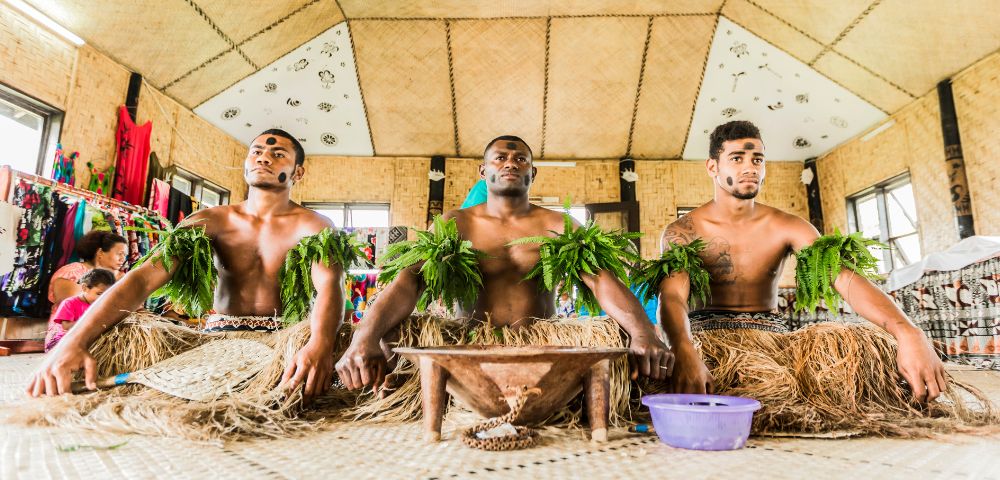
point(959, 310)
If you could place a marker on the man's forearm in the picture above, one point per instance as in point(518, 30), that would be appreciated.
point(394, 305)
point(673, 318)
point(872, 304)
point(621, 305)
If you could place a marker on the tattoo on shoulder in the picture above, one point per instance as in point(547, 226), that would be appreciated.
point(681, 231)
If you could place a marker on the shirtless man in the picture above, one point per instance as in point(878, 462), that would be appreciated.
point(506, 296)
point(250, 241)
point(748, 244)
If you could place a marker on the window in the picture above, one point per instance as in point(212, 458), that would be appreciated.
point(206, 193)
point(887, 213)
point(357, 215)
point(579, 213)
point(29, 130)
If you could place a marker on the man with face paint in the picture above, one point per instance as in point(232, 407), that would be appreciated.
point(747, 245)
point(506, 298)
point(249, 241)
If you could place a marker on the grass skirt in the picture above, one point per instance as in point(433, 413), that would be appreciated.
point(821, 378)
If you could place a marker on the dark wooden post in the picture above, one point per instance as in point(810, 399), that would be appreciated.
point(813, 200)
point(435, 197)
point(958, 182)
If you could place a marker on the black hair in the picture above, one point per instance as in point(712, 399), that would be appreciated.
point(97, 276)
point(300, 153)
point(509, 138)
point(95, 240)
point(733, 130)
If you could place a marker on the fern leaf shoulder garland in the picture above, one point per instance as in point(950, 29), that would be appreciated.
point(193, 284)
point(297, 289)
point(587, 249)
point(450, 271)
point(818, 265)
point(679, 258)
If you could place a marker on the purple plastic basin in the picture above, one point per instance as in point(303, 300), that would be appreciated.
point(701, 422)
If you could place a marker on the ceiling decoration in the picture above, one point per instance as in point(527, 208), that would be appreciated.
point(595, 79)
point(800, 113)
point(312, 92)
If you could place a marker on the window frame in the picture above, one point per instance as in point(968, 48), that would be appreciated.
point(52, 119)
point(880, 193)
point(198, 185)
point(346, 207)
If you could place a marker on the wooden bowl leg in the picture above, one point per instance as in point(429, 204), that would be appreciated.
point(597, 388)
point(433, 397)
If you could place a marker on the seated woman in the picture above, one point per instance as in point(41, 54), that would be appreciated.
point(97, 249)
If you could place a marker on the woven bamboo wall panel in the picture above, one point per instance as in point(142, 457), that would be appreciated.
point(593, 73)
point(669, 90)
point(297, 29)
point(499, 81)
point(977, 100)
point(239, 27)
point(912, 144)
point(821, 19)
point(183, 39)
point(520, 8)
point(403, 68)
point(587, 182)
point(410, 193)
point(399, 182)
point(856, 79)
point(214, 77)
point(655, 193)
point(34, 60)
point(205, 150)
point(920, 43)
point(162, 111)
point(929, 174)
point(91, 119)
point(347, 179)
point(771, 29)
point(460, 175)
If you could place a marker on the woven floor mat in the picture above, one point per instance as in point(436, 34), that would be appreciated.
point(346, 451)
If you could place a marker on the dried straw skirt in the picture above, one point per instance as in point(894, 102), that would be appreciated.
point(821, 378)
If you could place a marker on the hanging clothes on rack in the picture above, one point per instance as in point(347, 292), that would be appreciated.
point(10, 217)
point(132, 161)
point(100, 182)
point(46, 219)
point(64, 167)
point(179, 206)
point(159, 197)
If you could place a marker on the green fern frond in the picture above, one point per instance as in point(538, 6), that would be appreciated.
point(450, 270)
point(192, 287)
point(678, 258)
point(577, 251)
point(818, 265)
point(295, 277)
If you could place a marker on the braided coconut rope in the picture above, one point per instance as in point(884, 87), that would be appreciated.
point(524, 438)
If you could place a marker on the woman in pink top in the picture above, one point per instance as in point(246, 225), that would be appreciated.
point(92, 284)
point(97, 249)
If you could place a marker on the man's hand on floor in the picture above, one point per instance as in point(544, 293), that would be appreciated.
point(363, 364)
point(55, 375)
point(312, 366)
point(650, 358)
point(920, 366)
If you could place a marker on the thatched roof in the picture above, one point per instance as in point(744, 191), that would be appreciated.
point(576, 79)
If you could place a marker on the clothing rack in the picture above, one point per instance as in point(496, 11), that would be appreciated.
point(8, 176)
